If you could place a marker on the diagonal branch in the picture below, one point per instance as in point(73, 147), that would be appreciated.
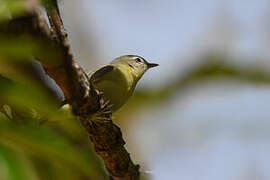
point(94, 114)
point(87, 104)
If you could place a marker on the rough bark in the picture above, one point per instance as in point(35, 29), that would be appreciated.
point(87, 103)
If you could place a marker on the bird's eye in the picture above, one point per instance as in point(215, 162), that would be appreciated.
point(139, 60)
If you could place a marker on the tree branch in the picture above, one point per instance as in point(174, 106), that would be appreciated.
point(87, 103)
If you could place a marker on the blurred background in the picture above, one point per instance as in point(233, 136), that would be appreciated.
point(203, 113)
point(213, 126)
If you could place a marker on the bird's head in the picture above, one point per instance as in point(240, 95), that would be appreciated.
point(136, 64)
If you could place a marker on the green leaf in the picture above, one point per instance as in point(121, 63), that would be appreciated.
point(26, 48)
point(14, 166)
point(44, 152)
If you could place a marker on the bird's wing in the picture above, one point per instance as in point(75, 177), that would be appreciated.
point(96, 76)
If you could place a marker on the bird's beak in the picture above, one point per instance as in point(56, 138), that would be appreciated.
point(150, 65)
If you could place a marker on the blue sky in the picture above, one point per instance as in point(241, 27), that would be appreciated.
point(218, 130)
point(171, 33)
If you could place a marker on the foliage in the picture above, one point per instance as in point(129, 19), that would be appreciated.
point(37, 139)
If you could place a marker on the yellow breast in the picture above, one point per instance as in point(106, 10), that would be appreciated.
point(117, 86)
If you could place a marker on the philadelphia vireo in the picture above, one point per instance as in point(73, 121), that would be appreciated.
point(118, 80)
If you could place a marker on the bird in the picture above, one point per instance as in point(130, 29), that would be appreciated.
point(117, 80)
